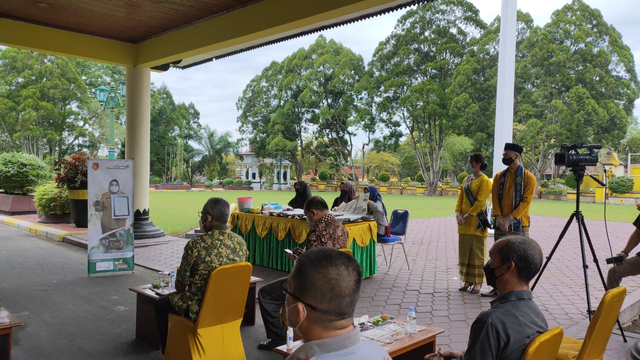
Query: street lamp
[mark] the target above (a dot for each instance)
(111, 99)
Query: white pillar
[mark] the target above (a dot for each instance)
(506, 78)
(138, 147)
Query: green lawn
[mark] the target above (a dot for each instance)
(177, 212)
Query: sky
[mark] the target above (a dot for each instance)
(215, 87)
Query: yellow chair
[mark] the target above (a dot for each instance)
(545, 346)
(598, 332)
(348, 251)
(216, 332)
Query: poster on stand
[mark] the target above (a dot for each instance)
(110, 201)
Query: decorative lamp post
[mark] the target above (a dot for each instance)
(111, 99)
(280, 174)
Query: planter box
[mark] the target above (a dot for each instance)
(421, 190)
(153, 186)
(17, 204)
(394, 190)
(313, 187)
(450, 192)
(410, 190)
(218, 186)
(173, 187)
(554, 197)
(233, 187)
(56, 219)
(331, 188)
(613, 199)
(198, 186)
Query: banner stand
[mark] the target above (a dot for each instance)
(110, 240)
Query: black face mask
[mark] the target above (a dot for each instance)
(343, 192)
(490, 274)
(507, 161)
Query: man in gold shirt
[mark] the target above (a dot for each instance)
(512, 193)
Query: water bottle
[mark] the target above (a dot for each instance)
(290, 338)
(411, 321)
(172, 280)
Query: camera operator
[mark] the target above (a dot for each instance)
(629, 266)
(512, 192)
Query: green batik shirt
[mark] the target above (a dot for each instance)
(201, 256)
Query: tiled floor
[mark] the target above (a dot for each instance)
(432, 283)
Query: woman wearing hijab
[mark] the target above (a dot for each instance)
(302, 195)
(377, 209)
(347, 194)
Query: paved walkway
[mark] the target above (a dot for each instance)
(431, 284)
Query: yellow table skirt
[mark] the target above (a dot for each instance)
(361, 232)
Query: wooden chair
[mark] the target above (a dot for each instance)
(545, 346)
(598, 332)
(216, 332)
(348, 251)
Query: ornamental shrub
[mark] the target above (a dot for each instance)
(154, 179)
(247, 183)
(554, 190)
(570, 181)
(371, 179)
(463, 175)
(50, 200)
(208, 184)
(419, 177)
(323, 176)
(227, 182)
(313, 178)
(21, 173)
(545, 184)
(72, 170)
(238, 182)
(407, 179)
(384, 177)
(621, 185)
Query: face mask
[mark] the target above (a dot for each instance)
(490, 274)
(309, 221)
(343, 192)
(201, 225)
(114, 189)
(470, 169)
(290, 323)
(507, 161)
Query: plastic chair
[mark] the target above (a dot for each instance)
(545, 346)
(599, 330)
(398, 224)
(216, 332)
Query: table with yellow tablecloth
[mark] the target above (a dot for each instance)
(268, 236)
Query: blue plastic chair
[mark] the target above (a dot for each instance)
(398, 224)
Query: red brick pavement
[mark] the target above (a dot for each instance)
(431, 284)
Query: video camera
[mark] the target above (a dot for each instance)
(570, 157)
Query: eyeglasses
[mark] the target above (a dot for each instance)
(328, 312)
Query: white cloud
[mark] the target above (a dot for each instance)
(215, 87)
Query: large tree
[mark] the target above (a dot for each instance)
(45, 104)
(578, 82)
(415, 66)
(174, 126)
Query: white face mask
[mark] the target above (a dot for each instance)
(114, 189)
(290, 324)
(201, 225)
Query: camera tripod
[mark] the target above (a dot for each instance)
(579, 172)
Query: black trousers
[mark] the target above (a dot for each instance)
(271, 300)
(163, 309)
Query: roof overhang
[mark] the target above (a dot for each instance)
(182, 39)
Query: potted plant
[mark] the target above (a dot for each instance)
(71, 173)
(19, 175)
(52, 203)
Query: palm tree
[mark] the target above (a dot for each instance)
(215, 144)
